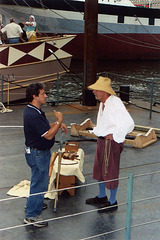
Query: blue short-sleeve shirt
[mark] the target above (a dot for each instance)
(36, 126)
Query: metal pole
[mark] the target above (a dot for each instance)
(59, 170)
(151, 101)
(2, 78)
(57, 89)
(129, 206)
(8, 96)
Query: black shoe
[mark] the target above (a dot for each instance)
(108, 207)
(96, 200)
(45, 206)
(36, 221)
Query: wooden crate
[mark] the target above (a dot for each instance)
(71, 147)
(65, 182)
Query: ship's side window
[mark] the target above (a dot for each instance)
(151, 21)
(120, 19)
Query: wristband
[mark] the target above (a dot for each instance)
(58, 123)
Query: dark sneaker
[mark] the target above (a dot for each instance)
(45, 206)
(108, 207)
(36, 221)
(96, 200)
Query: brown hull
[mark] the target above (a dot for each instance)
(45, 72)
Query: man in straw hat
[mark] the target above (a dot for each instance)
(113, 124)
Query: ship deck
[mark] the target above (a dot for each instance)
(74, 219)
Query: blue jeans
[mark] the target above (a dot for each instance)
(13, 40)
(38, 161)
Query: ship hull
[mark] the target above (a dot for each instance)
(123, 32)
(109, 49)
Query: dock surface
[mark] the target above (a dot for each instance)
(73, 219)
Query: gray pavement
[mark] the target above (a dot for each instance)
(143, 163)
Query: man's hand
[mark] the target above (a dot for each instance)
(59, 116)
(22, 19)
(64, 127)
(109, 137)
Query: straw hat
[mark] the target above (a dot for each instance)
(103, 84)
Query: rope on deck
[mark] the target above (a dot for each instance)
(3, 109)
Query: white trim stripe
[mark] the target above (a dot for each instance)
(44, 134)
(34, 108)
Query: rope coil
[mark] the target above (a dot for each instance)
(3, 109)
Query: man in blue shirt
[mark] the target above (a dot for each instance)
(39, 138)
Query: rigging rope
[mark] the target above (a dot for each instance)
(66, 69)
(127, 37)
(121, 33)
(16, 3)
(146, 29)
(26, 3)
(74, 8)
(58, 14)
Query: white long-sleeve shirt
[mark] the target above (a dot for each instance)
(114, 119)
(13, 30)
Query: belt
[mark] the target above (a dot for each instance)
(39, 149)
(102, 138)
(14, 38)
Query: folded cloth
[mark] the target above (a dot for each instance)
(70, 167)
(22, 190)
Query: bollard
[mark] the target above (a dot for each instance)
(124, 93)
(57, 89)
(129, 206)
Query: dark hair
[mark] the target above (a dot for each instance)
(33, 89)
(21, 25)
(11, 20)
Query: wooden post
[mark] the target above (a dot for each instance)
(90, 50)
